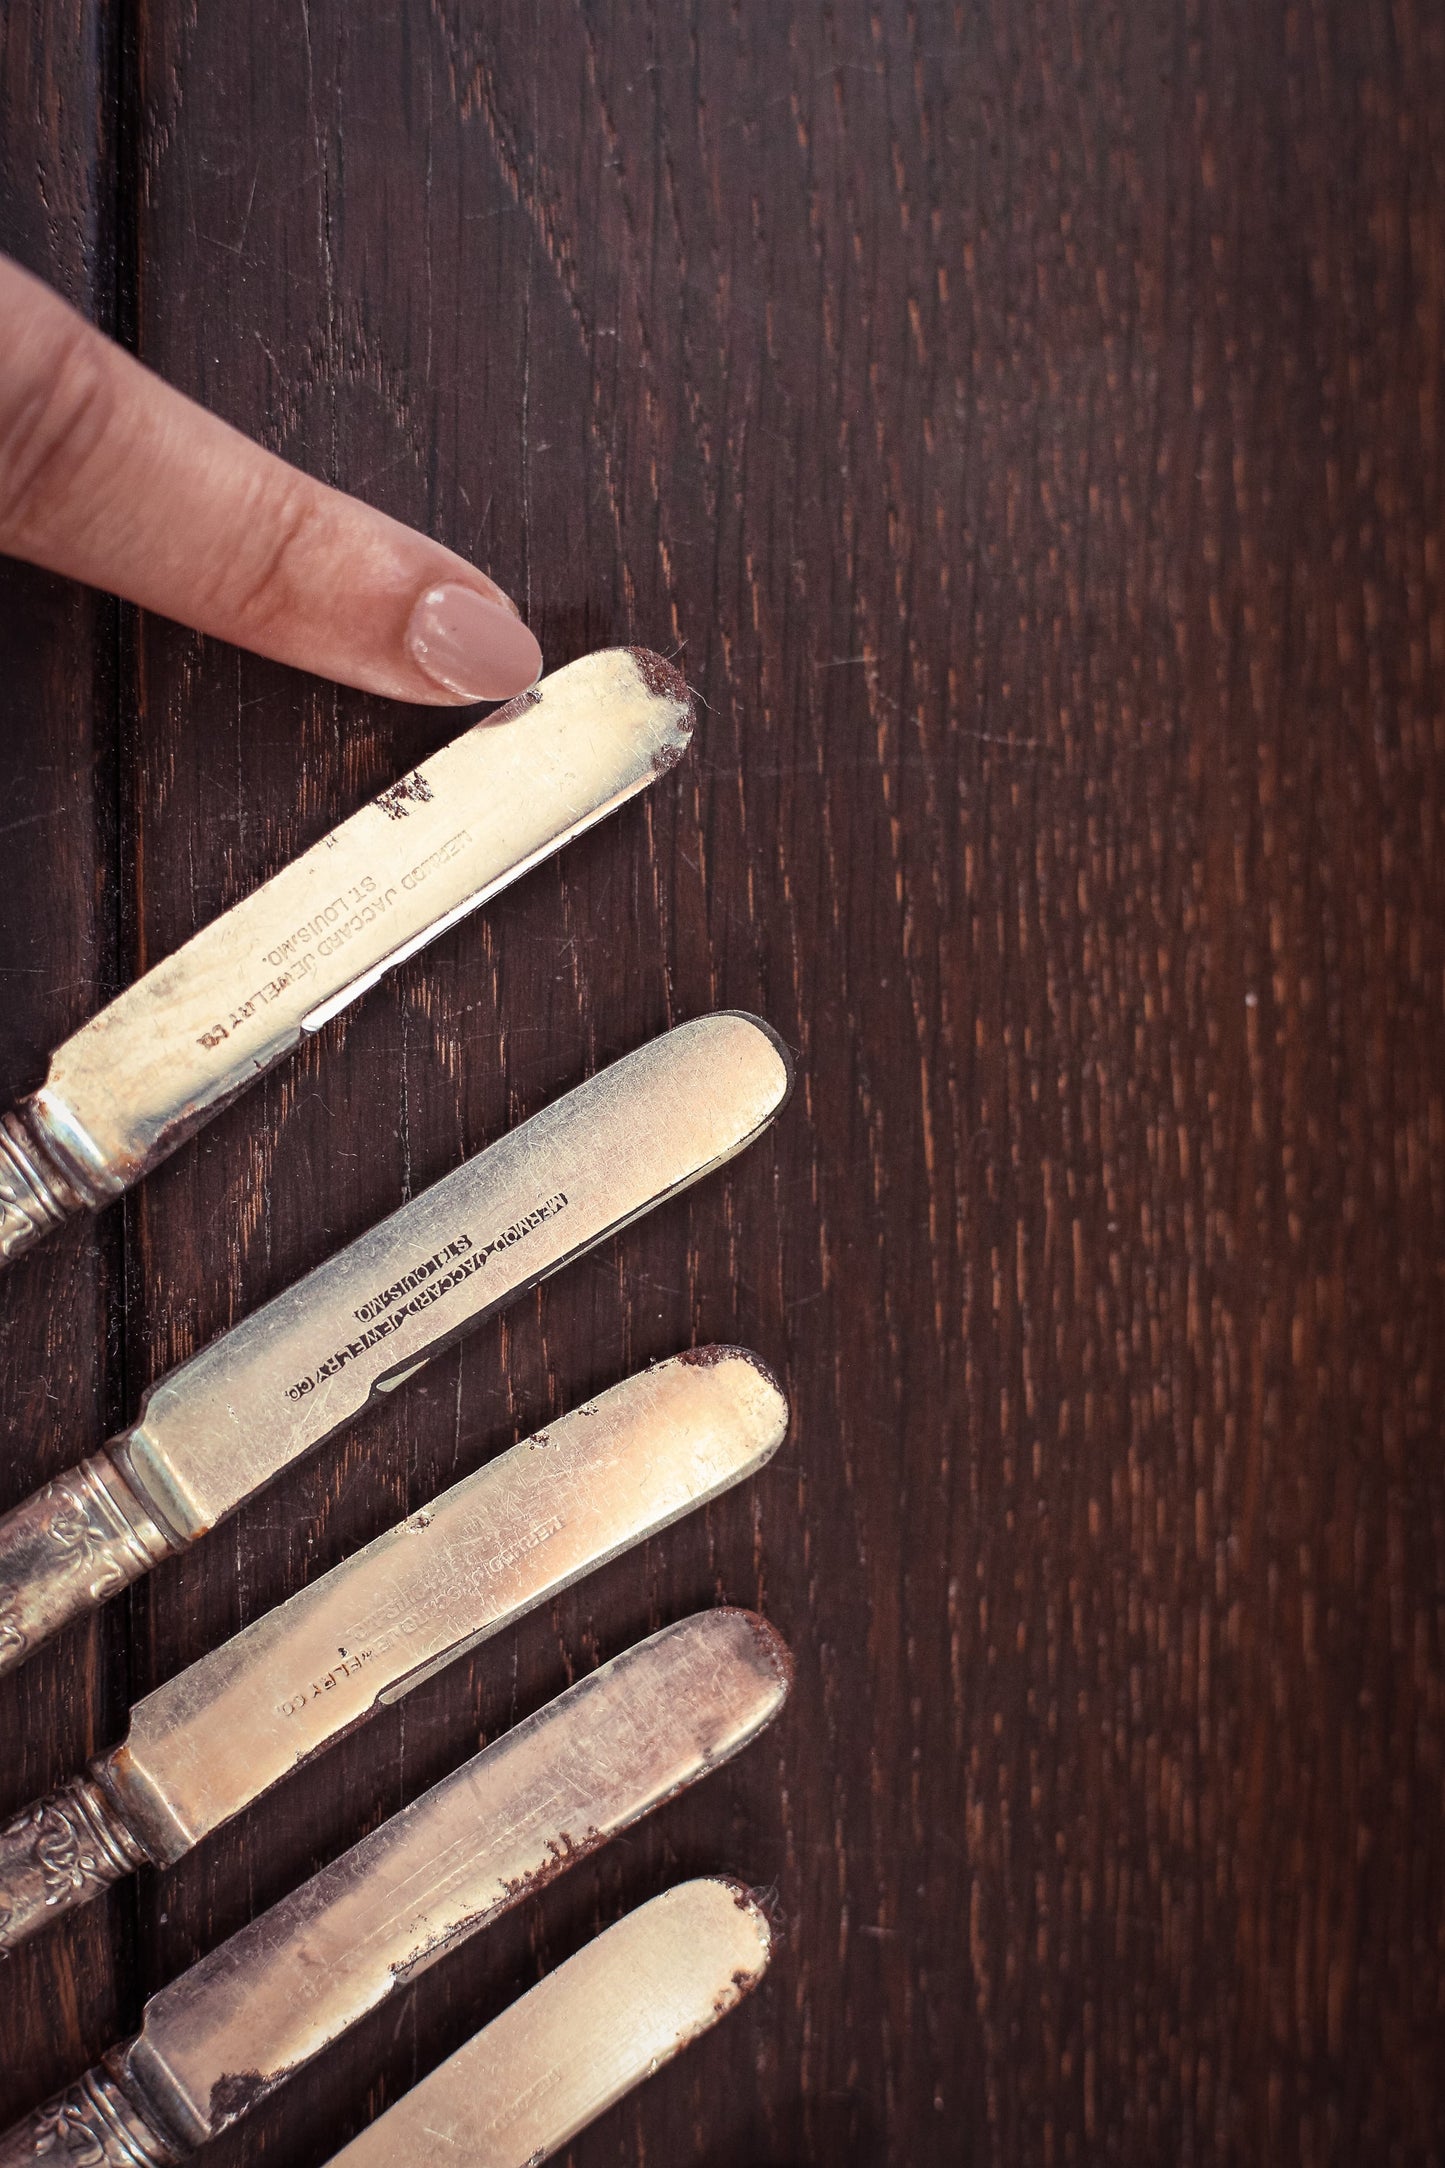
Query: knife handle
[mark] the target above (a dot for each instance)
(91, 2121)
(59, 1854)
(36, 1193)
(68, 1548)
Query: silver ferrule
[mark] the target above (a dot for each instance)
(36, 1192)
(67, 1549)
(58, 1854)
(93, 2122)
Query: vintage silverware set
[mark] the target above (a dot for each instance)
(120, 1095)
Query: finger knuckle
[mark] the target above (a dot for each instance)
(54, 410)
(264, 582)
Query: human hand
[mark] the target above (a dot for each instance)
(110, 476)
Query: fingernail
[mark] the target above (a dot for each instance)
(470, 646)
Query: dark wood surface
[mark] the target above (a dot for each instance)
(1025, 422)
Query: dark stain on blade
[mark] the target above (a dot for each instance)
(663, 679)
(666, 758)
(770, 1645)
(562, 1853)
(413, 789)
(235, 2094)
(708, 1358)
(743, 1895)
(728, 1998)
(664, 682)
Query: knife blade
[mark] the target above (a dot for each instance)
(226, 1422)
(221, 1733)
(257, 2009)
(609, 2017)
(147, 1071)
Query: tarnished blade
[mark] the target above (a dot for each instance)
(226, 1422)
(258, 2008)
(597, 1481)
(218, 1735)
(594, 1761)
(232, 1417)
(205, 1023)
(589, 2033)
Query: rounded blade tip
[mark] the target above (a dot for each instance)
(707, 1910)
(745, 1638)
(750, 1384)
(664, 681)
(608, 671)
(752, 1040)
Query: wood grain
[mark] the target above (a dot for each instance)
(59, 647)
(1025, 424)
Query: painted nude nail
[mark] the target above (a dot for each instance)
(471, 646)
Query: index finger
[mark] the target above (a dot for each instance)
(110, 476)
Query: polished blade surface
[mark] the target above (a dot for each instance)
(223, 1424)
(592, 1762)
(506, 794)
(614, 1471)
(584, 2037)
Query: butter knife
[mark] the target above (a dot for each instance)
(258, 2009)
(585, 2036)
(227, 1421)
(191, 1034)
(222, 1732)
